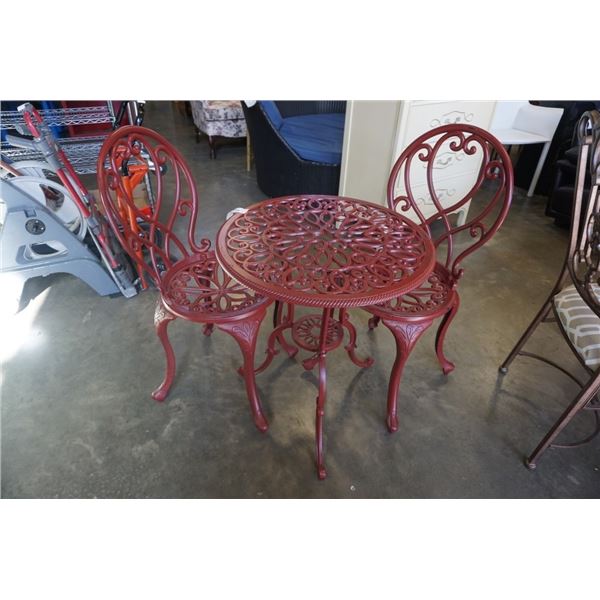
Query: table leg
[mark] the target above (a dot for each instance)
(321, 398)
(289, 320)
(351, 346)
(277, 336)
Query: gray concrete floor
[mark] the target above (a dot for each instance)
(78, 419)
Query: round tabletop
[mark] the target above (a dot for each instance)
(325, 251)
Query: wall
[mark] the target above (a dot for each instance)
(369, 141)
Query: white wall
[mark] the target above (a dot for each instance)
(369, 142)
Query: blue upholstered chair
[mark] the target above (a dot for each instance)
(297, 145)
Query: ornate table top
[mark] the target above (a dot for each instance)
(325, 251)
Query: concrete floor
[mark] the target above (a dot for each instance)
(78, 419)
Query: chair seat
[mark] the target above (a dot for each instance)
(580, 323)
(518, 137)
(317, 138)
(430, 299)
(196, 288)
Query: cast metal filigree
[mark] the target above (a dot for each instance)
(160, 238)
(306, 333)
(325, 250)
(429, 297)
(445, 145)
(199, 284)
(157, 244)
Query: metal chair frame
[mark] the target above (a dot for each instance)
(409, 316)
(191, 283)
(582, 268)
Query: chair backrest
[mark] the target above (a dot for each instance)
(157, 235)
(541, 120)
(294, 108)
(583, 258)
(482, 181)
(505, 113)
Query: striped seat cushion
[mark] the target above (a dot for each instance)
(580, 323)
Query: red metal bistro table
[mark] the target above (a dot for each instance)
(325, 252)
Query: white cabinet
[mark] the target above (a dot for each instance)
(377, 132)
(453, 173)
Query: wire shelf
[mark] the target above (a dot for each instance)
(82, 152)
(85, 115)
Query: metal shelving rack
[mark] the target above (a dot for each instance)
(82, 151)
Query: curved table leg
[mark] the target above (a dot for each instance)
(351, 346)
(289, 321)
(275, 335)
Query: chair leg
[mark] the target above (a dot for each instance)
(542, 314)
(245, 333)
(248, 152)
(212, 151)
(447, 366)
(538, 169)
(539, 318)
(162, 318)
(406, 335)
(582, 399)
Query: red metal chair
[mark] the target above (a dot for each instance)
(575, 298)
(191, 284)
(420, 187)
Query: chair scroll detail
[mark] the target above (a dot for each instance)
(574, 302)
(163, 245)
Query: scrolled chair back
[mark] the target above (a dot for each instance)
(583, 258)
(158, 235)
(450, 169)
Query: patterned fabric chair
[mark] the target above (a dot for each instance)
(218, 118)
(575, 298)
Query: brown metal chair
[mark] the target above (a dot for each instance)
(575, 298)
(420, 187)
(191, 284)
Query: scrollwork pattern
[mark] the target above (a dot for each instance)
(325, 245)
(440, 148)
(155, 245)
(428, 297)
(200, 285)
(455, 116)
